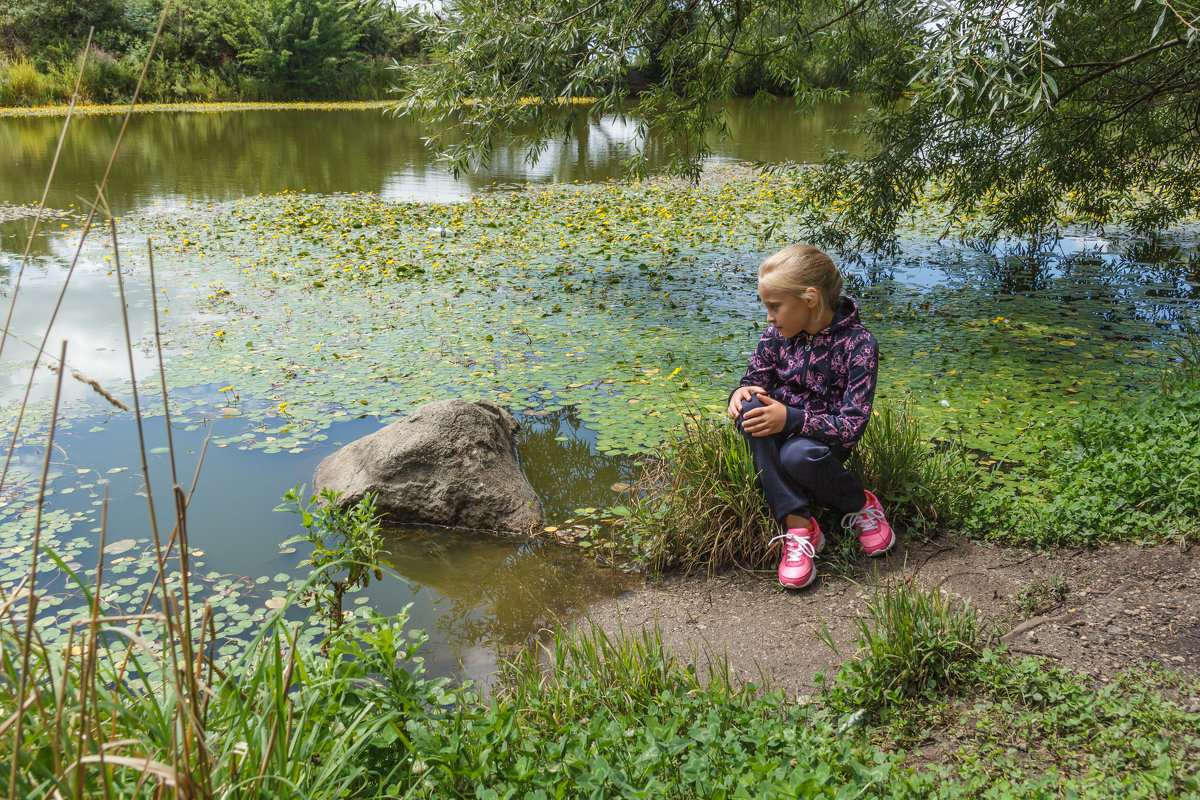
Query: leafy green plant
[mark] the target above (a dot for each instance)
(592, 715)
(1026, 723)
(912, 641)
(698, 504)
(1131, 472)
(925, 486)
(346, 544)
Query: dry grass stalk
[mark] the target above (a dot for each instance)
(94, 384)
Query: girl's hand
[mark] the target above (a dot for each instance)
(766, 420)
(742, 394)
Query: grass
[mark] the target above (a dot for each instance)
(593, 715)
(1040, 596)
(925, 484)
(913, 642)
(698, 505)
(1026, 728)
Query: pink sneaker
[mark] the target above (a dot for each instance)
(874, 533)
(800, 547)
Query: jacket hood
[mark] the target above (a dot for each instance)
(844, 316)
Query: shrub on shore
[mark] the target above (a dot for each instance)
(912, 642)
(925, 485)
(1129, 472)
(698, 504)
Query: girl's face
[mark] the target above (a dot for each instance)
(790, 313)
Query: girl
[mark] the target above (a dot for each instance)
(803, 405)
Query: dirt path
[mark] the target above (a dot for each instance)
(1095, 610)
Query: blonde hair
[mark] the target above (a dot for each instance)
(801, 267)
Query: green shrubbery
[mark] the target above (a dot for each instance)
(208, 50)
(1129, 471)
(913, 643)
(925, 486)
(698, 504)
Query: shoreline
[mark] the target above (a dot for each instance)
(1122, 604)
(192, 107)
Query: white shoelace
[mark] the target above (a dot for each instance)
(794, 546)
(867, 520)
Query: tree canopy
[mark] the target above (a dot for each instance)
(1015, 114)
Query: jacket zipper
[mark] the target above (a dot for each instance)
(804, 366)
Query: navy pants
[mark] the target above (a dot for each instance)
(793, 470)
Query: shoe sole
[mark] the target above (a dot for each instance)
(806, 584)
(876, 553)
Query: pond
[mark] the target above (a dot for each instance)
(299, 313)
(474, 594)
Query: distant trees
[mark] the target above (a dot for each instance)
(231, 49)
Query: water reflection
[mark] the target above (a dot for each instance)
(171, 157)
(1115, 280)
(557, 456)
(489, 590)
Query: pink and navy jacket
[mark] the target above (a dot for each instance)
(827, 379)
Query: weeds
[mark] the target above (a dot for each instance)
(344, 540)
(1039, 596)
(1029, 729)
(624, 673)
(622, 718)
(1132, 472)
(912, 642)
(699, 504)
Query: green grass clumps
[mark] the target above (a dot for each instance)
(129, 710)
(698, 503)
(924, 487)
(590, 715)
(913, 642)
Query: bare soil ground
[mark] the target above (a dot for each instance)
(1098, 611)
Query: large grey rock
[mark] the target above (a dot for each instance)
(451, 462)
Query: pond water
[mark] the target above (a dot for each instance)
(599, 313)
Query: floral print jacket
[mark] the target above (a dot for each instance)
(827, 379)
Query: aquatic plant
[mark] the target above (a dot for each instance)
(345, 548)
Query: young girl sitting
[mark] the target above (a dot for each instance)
(805, 402)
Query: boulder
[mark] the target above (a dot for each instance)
(451, 462)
